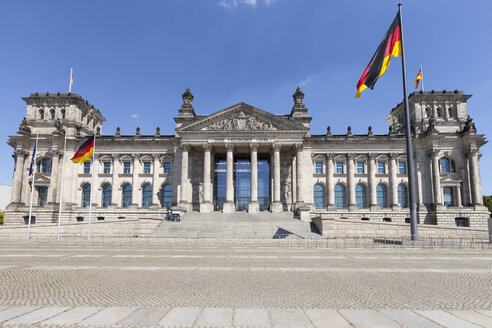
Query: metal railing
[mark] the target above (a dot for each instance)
(238, 241)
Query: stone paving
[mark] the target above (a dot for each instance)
(261, 287)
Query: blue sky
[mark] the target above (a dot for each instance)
(133, 59)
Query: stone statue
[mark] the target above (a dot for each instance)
(158, 131)
(241, 121)
(137, 133)
(23, 128)
(117, 131)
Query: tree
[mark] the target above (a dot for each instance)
(487, 201)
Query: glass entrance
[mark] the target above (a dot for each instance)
(242, 182)
(264, 182)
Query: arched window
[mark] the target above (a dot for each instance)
(381, 196)
(44, 165)
(52, 114)
(167, 196)
(86, 195)
(448, 196)
(439, 112)
(41, 114)
(319, 196)
(360, 195)
(126, 195)
(339, 196)
(106, 195)
(146, 195)
(402, 195)
(450, 112)
(63, 114)
(447, 165)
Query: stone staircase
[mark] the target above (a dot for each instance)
(263, 224)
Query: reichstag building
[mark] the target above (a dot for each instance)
(243, 158)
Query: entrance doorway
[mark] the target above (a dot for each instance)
(242, 181)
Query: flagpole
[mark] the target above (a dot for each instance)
(410, 161)
(422, 76)
(70, 81)
(61, 187)
(32, 187)
(92, 188)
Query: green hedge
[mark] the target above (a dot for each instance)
(487, 201)
(1, 217)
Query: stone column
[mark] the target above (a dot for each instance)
(135, 199)
(115, 188)
(55, 160)
(458, 196)
(393, 180)
(350, 181)
(330, 194)
(229, 206)
(466, 199)
(276, 205)
(253, 202)
(373, 200)
(155, 183)
(184, 176)
(299, 196)
(436, 177)
(475, 177)
(19, 156)
(206, 205)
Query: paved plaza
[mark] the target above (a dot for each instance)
(260, 287)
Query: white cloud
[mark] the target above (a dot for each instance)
(305, 82)
(134, 115)
(229, 4)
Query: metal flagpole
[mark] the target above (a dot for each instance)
(422, 76)
(410, 161)
(92, 189)
(61, 187)
(32, 186)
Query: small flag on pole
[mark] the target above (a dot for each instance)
(84, 152)
(71, 80)
(389, 47)
(32, 160)
(419, 77)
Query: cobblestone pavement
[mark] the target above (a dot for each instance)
(276, 287)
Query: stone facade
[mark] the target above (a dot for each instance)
(349, 176)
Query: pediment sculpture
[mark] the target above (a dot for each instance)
(241, 121)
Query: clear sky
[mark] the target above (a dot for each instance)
(134, 59)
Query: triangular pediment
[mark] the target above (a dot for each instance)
(241, 117)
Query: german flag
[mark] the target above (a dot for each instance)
(85, 151)
(391, 46)
(419, 77)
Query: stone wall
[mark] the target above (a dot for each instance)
(345, 227)
(127, 227)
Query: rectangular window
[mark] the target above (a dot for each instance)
(146, 167)
(402, 167)
(107, 167)
(167, 167)
(42, 195)
(126, 167)
(87, 167)
(339, 167)
(319, 167)
(381, 168)
(462, 222)
(360, 167)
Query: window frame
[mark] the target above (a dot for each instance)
(360, 196)
(340, 195)
(379, 167)
(168, 169)
(318, 167)
(126, 195)
(146, 167)
(146, 195)
(359, 168)
(107, 167)
(402, 167)
(382, 196)
(167, 195)
(339, 167)
(106, 195)
(42, 196)
(127, 167)
(319, 196)
(86, 195)
(87, 167)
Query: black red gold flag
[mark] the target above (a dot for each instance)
(389, 47)
(419, 77)
(85, 151)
